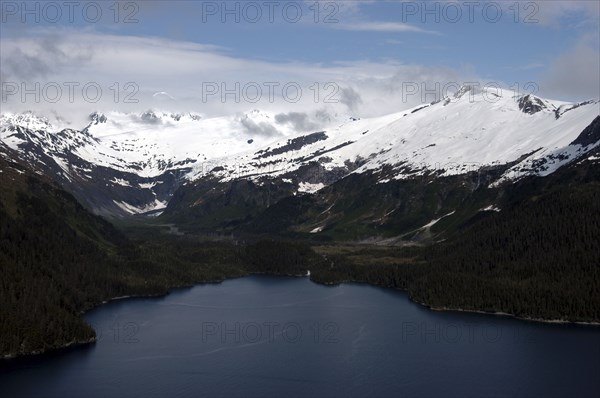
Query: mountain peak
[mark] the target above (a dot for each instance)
(27, 119)
(530, 104)
(464, 89)
(97, 117)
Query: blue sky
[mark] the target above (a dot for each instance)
(554, 44)
(517, 46)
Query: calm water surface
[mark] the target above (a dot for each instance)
(269, 336)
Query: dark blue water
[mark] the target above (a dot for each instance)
(267, 336)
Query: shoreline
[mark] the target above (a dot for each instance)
(509, 315)
(75, 343)
(450, 309)
(48, 351)
(84, 342)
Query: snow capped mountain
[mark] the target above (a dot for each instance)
(463, 133)
(132, 163)
(27, 120)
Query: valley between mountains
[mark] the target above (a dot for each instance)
(481, 201)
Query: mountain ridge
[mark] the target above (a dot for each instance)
(121, 165)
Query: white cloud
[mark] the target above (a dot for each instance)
(574, 74)
(184, 69)
(379, 26)
(557, 12)
(156, 65)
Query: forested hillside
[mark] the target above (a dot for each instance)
(538, 257)
(57, 260)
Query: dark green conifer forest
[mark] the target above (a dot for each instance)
(539, 257)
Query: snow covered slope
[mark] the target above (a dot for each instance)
(140, 159)
(457, 135)
(147, 143)
(121, 164)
